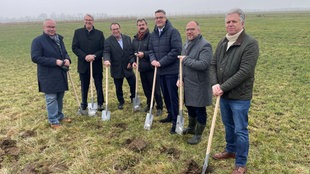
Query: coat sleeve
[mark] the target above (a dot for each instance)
(76, 47)
(203, 61)
(107, 50)
(37, 55)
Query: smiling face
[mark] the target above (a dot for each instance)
(233, 24)
(116, 30)
(160, 19)
(49, 27)
(88, 22)
(142, 26)
(192, 30)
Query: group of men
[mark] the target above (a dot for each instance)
(228, 73)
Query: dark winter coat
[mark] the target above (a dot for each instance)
(85, 43)
(142, 45)
(166, 48)
(234, 69)
(196, 75)
(119, 57)
(45, 52)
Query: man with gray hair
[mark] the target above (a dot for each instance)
(232, 78)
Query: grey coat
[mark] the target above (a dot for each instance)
(196, 78)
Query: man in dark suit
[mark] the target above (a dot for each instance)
(119, 55)
(49, 53)
(87, 45)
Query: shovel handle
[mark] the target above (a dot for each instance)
(91, 80)
(137, 71)
(73, 86)
(181, 85)
(107, 85)
(153, 87)
(213, 124)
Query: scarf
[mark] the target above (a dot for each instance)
(232, 39)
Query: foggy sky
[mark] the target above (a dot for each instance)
(33, 8)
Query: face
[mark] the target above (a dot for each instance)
(233, 24)
(49, 27)
(192, 30)
(116, 30)
(88, 22)
(142, 26)
(160, 19)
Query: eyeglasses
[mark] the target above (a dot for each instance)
(159, 17)
(88, 20)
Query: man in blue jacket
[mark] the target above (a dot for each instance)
(49, 53)
(165, 46)
(88, 44)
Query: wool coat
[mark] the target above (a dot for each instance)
(45, 52)
(196, 75)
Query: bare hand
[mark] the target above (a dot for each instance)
(107, 63)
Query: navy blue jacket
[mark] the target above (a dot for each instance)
(166, 49)
(45, 52)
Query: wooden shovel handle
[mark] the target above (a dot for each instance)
(107, 84)
(91, 79)
(153, 87)
(181, 86)
(213, 124)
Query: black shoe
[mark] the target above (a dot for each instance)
(165, 120)
(100, 108)
(131, 100)
(120, 106)
(159, 112)
(172, 130)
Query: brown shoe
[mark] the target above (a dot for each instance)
(66, 120)
(56, 126)
(223, 155)
(239, 170)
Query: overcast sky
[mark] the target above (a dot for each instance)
(139, 8)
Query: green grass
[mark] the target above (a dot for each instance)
(278, 120)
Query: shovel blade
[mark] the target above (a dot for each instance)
(136, 103)
(180, 125)
(105, 115)
(92, 109)
(205, 164)
(148, 121)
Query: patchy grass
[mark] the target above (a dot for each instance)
(278, 121)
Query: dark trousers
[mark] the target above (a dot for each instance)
(147, 84)
(85, 81)
(118, 82)
(170, 93)
(199, 113)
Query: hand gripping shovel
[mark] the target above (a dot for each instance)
(92, 107)
(205, 165)
(106, 114)
(149, 116)
(136, 100)
(74, 89)
(180, 119)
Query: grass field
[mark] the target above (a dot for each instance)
(278, 121)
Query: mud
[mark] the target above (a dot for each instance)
(193, 168)
(172, 152)
(136, 145)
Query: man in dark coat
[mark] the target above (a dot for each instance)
(196, 58)
(87, 45)
(49, 53)
(165, 46)
(140, 46)
(119, 55)
(232, 78)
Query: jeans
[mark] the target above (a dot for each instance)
(54, 107)
(235, 119)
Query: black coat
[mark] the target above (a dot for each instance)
(119, 57)
(85, 43)
(45, 52)
(142, 45)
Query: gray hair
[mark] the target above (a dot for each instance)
(160, 11)
(141, 20)
(89, 15)
(239, 12)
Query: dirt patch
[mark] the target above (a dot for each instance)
(193, 168)
(8, 149)
(43, 167)
(122, 126)
(172, 152)
(28, 133)
(136, 145)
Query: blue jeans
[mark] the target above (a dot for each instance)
(235, 119)
(54, 107)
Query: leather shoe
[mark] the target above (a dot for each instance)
(121, 106)
(56, 126)
(239, 170)
(66, 120)
(223, 155)
(165, 120)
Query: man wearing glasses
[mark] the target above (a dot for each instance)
(165, 45)
(87, 45)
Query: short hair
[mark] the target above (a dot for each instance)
(239, 12)
(89, 15)
(49, 19)
(115, 23)
(160, 11)
(141, 20)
